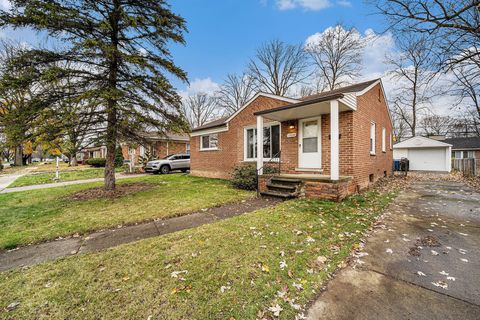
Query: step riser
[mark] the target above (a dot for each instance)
(280, 189)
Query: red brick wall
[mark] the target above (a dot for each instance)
(290, 145)
(220, 163)
(371, 107)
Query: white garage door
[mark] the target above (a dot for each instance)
(429, 159)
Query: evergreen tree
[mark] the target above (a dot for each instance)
(118, 52)
(118, 157)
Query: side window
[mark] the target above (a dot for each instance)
(209, 142)
(372, 138)
(384, 143)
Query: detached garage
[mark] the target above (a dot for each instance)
(425, 154)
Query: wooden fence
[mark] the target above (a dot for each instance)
(467, 166)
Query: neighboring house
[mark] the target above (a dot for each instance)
(157, 146)
(329, 145)
(91, 152)
(466, 148)
(424, 154)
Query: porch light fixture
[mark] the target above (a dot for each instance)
(291, 125)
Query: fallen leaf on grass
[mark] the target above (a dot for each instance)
(283, 264)
(175, 274)
(265, 268)
(224, 288)
(390, 251)
(276, 310)
(297, 286)
(12, 306)
(420, 273)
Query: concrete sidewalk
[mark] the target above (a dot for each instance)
(29, 255)
(423, 263)
(62, 184)
(8, 179)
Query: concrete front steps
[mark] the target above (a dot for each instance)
(284, 188)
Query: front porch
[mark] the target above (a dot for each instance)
(309, 162)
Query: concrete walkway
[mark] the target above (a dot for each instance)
(26, 256)
(8, 179)
(62, 184)
(423, 263)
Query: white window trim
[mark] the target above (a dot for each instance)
(208, 149)
(373, 137)
(384, 140)
(265, 125)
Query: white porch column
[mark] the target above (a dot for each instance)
(260, 144)
(334, 141)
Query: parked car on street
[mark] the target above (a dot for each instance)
(169, 163)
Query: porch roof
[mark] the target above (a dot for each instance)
(308, 108)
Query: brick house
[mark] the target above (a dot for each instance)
(157, 146)
(91, 152)
(314, 157)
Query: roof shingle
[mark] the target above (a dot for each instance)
(464, 143)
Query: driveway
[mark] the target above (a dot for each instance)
(423, 262)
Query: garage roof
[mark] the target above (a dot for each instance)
(420, 142)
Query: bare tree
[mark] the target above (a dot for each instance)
(337, 54)
(400, 127)
(453, 25)
(277, 67)
(466, 86)
(435, 125)
(200, 108)
(235, 92)
(411, 70)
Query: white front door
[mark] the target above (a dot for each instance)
(309, 144)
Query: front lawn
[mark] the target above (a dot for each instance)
(80, 173)
(37, 215)
(247, 267)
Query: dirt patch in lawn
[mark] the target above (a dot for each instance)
(120, 191)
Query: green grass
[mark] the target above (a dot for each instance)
(243, 254)
(33, 216)
(48, 177)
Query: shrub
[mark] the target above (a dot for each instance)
(1, 167)
(118, 157)
(244, 176)
(96, 162)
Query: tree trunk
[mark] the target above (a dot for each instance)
(111, 144)
(19, 156)
(111, 138)
(73, 161)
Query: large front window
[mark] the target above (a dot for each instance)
(271, 142)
